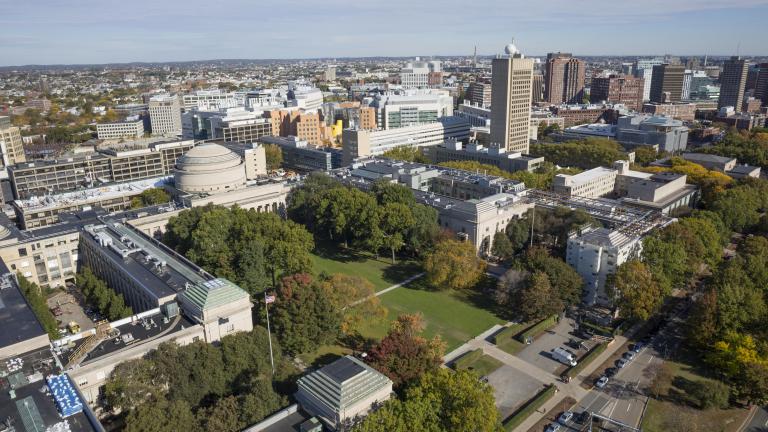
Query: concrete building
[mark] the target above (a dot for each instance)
(410, 108)
(43, 105)
(687, 84)
(643, 68)
(117, 130)
(106, 166)
(209, 168)
(761, 83)
(472, 205)
(341, 391)
(477, 116)
(304, 97)
(663, 132)
(11, 145)
(303, 157)
(452, 150)
(564, 79)
(625, 90)
(741, 121)
(596, 253)
(592, 113)
(512, 76)
(479, 94)
(667, 83)
(363, 143)
(594, 183)
(416, 74)
(207, 100)
(733, 80)
(537, 87)
(685, 111)
(723, 164)
(165, 115)
(240, 125)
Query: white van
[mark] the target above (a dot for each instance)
(563, 356)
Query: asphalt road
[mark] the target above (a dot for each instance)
(622, 399)
(759, 422)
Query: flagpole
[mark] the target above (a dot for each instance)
(269, 333)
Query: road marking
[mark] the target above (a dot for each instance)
(650, 359)
(629, 406)
(766, 423)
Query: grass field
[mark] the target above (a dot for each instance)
(664, 415)
(456, 316)
(331, 259)
(484, 365)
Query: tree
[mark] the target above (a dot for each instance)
(637, 293)
(395, 220)
(403, 355)
(645, 155)
(132, 383)
(303, 317)
(387, 192)
(711, 394)
(586, 154)
(150, 197)
(509, 285)
(424, 231)
(752, 383)
(536, 299)
(668, 260)
(502, 246)
(274, 155)
(303, 201)
(222, 416)
(34, 296)
(163, 415)
(356, 298)
(453, 265)
(441, 401)
(662, 380)
(406, 154)
(566, 282)
(703, 326)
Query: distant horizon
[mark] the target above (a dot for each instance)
(423, 57)
(91, 32)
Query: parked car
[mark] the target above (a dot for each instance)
(582, 417)
(565, 417)
(629, 355)
(611, 371)
(601, 382)
(637, 347)
(621, 363)
(553, 427)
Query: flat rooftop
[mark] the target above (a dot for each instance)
(591, 175)
(106, 192)
(32, 410)
(158, 269)
(17, 320)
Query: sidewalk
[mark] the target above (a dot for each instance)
(388, 289)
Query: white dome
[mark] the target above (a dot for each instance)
(209, 168)
(511, 49)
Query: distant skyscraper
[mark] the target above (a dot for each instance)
(330, 73)
(564, 79)
(479, 93)
(537, 91)
(512, 76)
(626, 90)
(644, 69)
(667, 83)
(165, 115)
(761, 84)
(733, 79)
(11, 146)
(687, 81)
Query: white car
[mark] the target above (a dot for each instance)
(565, 417)
(601, 382)
(553, 427)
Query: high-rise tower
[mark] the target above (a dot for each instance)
(511, 78)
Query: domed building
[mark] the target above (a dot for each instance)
(209, 168)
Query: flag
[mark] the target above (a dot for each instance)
(269, 299)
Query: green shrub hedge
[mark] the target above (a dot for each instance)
(467, 359)
(508, 333)
(526, 410)
(538, 328)
(585, 360)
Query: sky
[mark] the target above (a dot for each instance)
(109, 31)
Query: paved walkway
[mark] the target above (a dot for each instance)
(572, 389)
(388, 289)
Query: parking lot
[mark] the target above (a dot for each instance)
(69, 309)
(537, 353)
(512, 388)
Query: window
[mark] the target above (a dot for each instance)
(22, 252)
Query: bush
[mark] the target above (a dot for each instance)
(597, 329)
(711, 394)
(467, 359)
(33, 294)
(508, 333)
(586, 360)
(526, 410)
(538, 329)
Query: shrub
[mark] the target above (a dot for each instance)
(532, 405)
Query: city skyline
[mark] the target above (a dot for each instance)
(89, 32)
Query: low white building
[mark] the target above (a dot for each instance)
(117, 130)
(597, 252)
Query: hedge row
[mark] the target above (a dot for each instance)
(538, 329)
(532, 405)
(597, 329)
(586, 359)
(467, 359)
(508, 333)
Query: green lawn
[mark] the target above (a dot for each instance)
(457, 316)
(675, 409)
(331, 259)
(484, 365)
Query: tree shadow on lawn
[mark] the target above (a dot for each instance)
(336, 252)
(401, 271)
(681, 390)
(478, 296)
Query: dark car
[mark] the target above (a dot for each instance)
(582, 417)
(611, 371)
